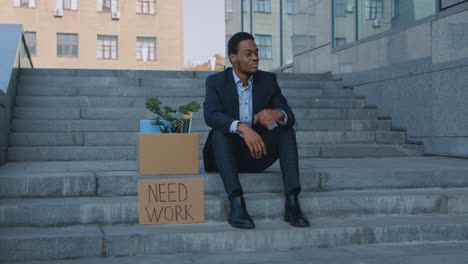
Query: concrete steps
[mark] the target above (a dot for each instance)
(139, 102)
(52, 73)
(106, 138)
(119, 178)
(86, 115)
(213, 237)
(130, 240)
(162, 87)
(338, 217)
(71, 190)
(75, 84)
(410, 252)
(47, 212)
(52, 113)
(22, 125)
(67, 153)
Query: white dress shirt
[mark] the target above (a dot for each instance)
(246, 105)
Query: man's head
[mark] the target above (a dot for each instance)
(243, 53)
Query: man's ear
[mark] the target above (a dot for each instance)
(233, 58)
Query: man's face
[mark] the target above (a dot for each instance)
(246, 60)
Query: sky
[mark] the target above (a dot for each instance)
(204, 30)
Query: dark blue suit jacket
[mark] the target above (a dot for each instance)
(221, 106)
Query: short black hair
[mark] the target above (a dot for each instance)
(234, 41)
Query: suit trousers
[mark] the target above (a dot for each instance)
(232, 156)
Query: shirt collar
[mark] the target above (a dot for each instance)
(239, 81)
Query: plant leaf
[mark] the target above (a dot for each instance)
(190, 107)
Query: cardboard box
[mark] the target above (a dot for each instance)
(168, 154)
(171, 201)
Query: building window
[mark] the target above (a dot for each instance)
(245, 6)
(340, 8)
(146, 48)
(67, 45)
(24, 3)
(302, 43)
(374, 9)
(262, 6)
(70, 4)
(306, 8)
(395, 8)
(291, 7)
(147, 7)
(31, 42)
(108, 5)
(339, 42)
(107, 47)
(265, 50)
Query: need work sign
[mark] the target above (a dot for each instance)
(171, 201)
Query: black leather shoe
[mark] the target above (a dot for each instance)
(293, 213)
(238, 216)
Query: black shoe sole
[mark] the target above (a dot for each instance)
(242, 226)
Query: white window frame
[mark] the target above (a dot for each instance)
(106, 51)
(148, 43)
(20, 3)
(265, 51)
(114, 6)
(374, 9)
(71, 55)
(149, 5)
(67, 4)
(262, 6)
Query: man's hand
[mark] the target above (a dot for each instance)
(267, 117)
(253, 140)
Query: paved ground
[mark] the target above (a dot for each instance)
(403, 253)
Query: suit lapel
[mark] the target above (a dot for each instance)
(256, 93)
(231, 94)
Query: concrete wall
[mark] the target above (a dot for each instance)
(166, 25)
(418, 75)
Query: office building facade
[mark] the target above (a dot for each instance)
(407, 57)
(100, 34)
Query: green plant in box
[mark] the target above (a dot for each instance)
(169, 119)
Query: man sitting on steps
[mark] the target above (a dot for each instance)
(252, 126)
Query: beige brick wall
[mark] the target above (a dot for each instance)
(87, 22)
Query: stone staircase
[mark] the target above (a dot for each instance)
(60, 117)
(70, 188)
